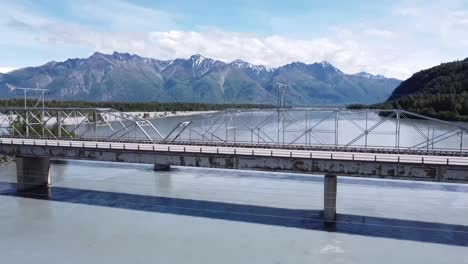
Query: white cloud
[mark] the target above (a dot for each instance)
(6, 69)
(406, 41)
(123, 16)
(459, 19)
(407, 11)
(379, 32)
(227, 46)
(273, 50)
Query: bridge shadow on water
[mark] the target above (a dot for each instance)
(448, 234)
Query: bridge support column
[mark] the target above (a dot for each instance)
(329, 198)
(160, 167)
(32, 172)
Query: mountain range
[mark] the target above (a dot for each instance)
(131, 78)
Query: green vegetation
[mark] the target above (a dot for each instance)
(439, 92)
(19, 126)
(5, 159)
(130, 106)
(445, 79)
(441, 106)
(358, 106)
(450, 107)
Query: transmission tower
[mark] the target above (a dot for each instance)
(40, 99)
(281, 93)
(31, 118)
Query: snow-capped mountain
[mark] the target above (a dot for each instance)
(369, 75)
(128, 77)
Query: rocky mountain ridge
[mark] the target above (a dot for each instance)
(128, 77)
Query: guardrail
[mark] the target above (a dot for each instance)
(412, 158)
(241, 144)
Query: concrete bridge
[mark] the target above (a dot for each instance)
(33, 161)
(34, 147)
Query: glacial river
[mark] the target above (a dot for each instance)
(126, 213)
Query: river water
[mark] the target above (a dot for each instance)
(126, 213)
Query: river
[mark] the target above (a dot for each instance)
(126, 213)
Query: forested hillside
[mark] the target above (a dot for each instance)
(441, 92)
(131, 106)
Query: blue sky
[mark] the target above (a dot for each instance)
(394, 38)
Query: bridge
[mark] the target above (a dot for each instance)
(390, 144)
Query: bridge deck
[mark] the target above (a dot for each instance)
(376, 155)
(34, 160)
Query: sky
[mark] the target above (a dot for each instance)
(395, 38)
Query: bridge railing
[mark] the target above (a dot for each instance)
(235, 150)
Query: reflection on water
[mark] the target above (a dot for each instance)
(231, 209)
(126, 212)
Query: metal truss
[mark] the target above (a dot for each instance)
(284, 128)
(78, 123)
(331, 128)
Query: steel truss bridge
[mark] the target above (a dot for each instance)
(394, 131)
(391, 144)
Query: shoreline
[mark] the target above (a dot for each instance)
(139, 114)
(164, 114)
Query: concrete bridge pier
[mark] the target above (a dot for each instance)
(32, 172)
(329, 198)
(162, 167)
